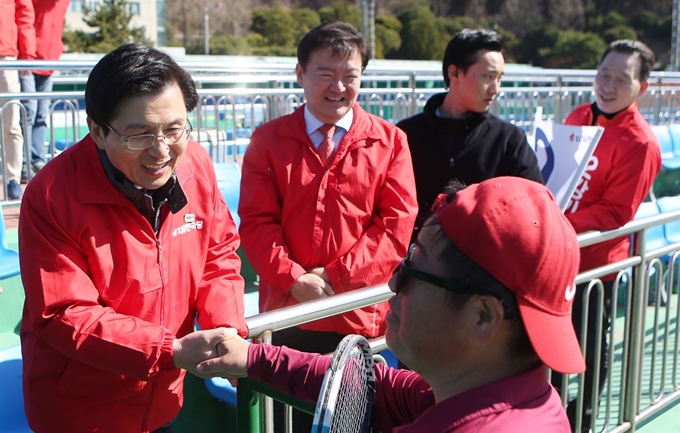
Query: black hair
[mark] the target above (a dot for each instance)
(340, 37)
(462, 50)
(133, 70)
(644, 53)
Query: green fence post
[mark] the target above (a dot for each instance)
(247, 407)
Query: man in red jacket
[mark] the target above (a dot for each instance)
(327, 194)
(125, 242)
(619, 175)
(49, 25)
(17, 41)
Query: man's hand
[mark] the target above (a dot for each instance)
(232, 362)
(198, 346)
(310, 286)
(320, 271)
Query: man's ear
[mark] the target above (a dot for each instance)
(453, 72)
(299, 70)
(489, 315)
(96, 133)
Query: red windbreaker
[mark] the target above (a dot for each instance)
(105, 297)
(619, 175)
(49, 26)
(17, 35)
(354, 217)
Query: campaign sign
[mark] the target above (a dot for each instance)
(563, 152)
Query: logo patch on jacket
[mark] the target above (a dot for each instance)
(188, 226)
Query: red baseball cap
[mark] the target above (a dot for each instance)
(513, 228)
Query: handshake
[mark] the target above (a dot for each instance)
(213, 353)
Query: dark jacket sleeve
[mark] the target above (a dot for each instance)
(523, 162)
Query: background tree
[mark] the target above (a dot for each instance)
(531, 29)
(520, 17)
(227, 17)
(276, 27)
(619, 32)
(567, 14)
(536, 42)
(343, 12)
(448, 27)
(112, 24)
(387, 39)
(229, 45)
(575, 50)
(420, 36)
(396, 7)
(235, 16)
(305, 20)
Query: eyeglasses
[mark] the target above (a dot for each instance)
(171, 137)
(406, 270)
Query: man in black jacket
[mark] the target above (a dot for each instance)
(455, 137)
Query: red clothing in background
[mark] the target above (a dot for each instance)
(619, 175)
(353, 217)
(17, 35)
(49, 27)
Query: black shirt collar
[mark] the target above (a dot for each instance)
(451, 126)
(597, 112)
(147, 202)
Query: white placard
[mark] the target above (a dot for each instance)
(563, 152)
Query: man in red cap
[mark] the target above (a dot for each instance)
(482, 306)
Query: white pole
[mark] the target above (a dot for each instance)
(206, 21)
(371, 26)
(675, 38)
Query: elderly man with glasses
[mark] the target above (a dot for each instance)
(125, 241)
(481, 308)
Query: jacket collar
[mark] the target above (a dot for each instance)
(363, 128)
(146, 202)
(312, 123)
(602, 120)
(470, 121)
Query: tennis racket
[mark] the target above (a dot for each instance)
(346, 398)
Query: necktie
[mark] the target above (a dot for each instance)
(326, 147)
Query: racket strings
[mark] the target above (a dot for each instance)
(353, 398)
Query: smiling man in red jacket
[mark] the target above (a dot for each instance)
(125, 241)
(327, 212)
(619, 175)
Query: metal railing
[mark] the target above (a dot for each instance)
(643, 378)
(261, 91)
(226, 117)
(236, 97)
